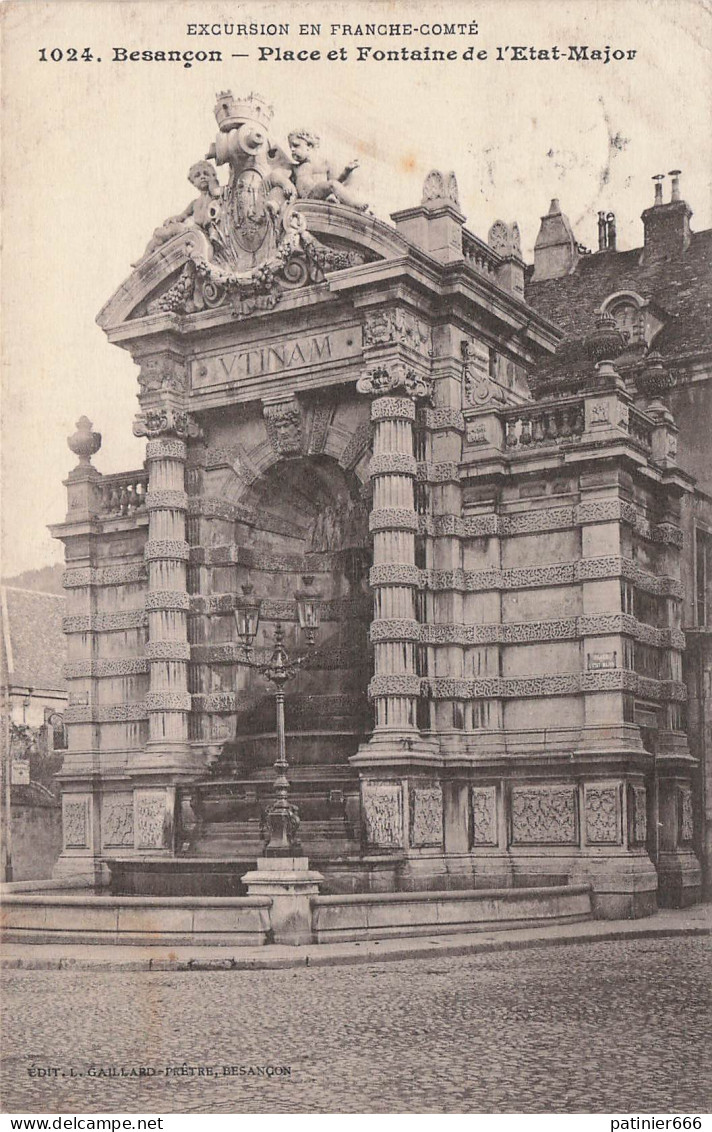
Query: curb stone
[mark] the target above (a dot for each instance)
(368, 951)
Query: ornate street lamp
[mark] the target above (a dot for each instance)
(247, 618)
(281, 822)
(309, 609)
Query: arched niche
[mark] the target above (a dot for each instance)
(312, 523)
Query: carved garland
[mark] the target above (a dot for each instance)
(556, 574)
(532, 522)
(176, 549)
(523, 632)
(392, 463)
(105, 622)
(166, 448)
(437, 420)
(167, 600)
(129, 666)
(168, 701)
(556, 684)
(105, 575)
(166, 499)
(105, 713)
(392, 519)
(167, 650)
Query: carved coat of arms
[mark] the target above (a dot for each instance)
(257, 243)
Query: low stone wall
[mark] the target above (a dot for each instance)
(241, 921)
(257, 920)
(36, 840)
(378, 916)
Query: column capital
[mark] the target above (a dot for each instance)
(161, 422)
(394, 377)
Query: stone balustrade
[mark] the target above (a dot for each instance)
(123, 493)
(478, 255)
(544, 423)
(640, 429)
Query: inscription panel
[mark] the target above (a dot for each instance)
(265, 359)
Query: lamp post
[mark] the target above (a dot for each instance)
(281, 822)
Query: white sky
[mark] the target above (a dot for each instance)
(95, 155)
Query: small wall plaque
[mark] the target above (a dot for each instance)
(597, 660)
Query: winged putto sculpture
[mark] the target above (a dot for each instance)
(246, 241)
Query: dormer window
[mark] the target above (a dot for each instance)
(634, 317)
(628, 320)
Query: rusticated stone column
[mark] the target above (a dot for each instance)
(395, 686)
(168, 652)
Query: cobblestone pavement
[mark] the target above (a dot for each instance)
(601, 1027)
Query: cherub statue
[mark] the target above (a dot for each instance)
(314, 178)
(200, 213)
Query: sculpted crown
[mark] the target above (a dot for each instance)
(231, 112)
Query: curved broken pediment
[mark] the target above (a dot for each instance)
(184, 276)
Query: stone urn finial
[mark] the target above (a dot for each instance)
(84, 443)
(606, 342)
(655, 380)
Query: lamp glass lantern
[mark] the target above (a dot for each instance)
(247, 615)
(308, 609)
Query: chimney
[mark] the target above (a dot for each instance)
(666, 226)
(555, 251)
(606, 232)
(602, 232)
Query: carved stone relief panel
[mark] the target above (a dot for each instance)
(426, 815)
(686, 822)
(383, 813)
(381, 327)
(602, 807)
(484, 815)
(117, 820)
(638, 803)
(75, 821)
(151, 819)
(544, 815)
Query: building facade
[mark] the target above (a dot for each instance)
(340, 406)
(660, 295)
(34, 696)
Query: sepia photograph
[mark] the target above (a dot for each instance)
(356, 745)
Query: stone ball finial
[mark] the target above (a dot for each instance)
(84, 443)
